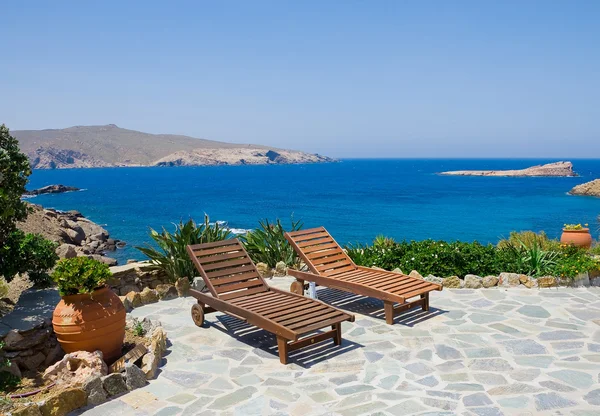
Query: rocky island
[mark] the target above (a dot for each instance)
(587, 189)
(52, 189)
(550, 169)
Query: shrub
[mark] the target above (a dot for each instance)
(529, 239)
(8, 381)
(267, 244)
(528, 258)
(27, 253)
(572, 260)
(171, 256)
(80, 275)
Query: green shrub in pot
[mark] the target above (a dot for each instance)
(80, 275)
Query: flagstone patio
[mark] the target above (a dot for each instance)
(477, 352)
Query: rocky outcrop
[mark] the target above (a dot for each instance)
(53, 158)
(238, 156)
(587, 189)
(550, 169)
(75, 234)
(52, 189)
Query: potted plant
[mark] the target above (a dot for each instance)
(90, 315)
(577, 235)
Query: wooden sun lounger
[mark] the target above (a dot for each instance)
(330, 266)
(237, 289)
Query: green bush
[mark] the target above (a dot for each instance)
(8, 381)
(572, 261)
(529, 239)
(267, 244)
(80, 275)
(528, 258)
(27, 253)
(171, 256)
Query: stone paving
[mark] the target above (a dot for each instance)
(477, 352)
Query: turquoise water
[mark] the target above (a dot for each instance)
(354, 199)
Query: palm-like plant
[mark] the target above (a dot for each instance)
(531, 258)
(171, 256)
(267, 244)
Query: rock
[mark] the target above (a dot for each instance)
(96, 393)
(76, 235)
(17, 342)
(280, 269)
(103, 259)
(125, 289)
(99, 237)
(509, 279)
(134, 377)
(549, 169)
(415, 274)
(114, 384)
(52, 189)
(473, 281)
(76, 367)
(66, 251)
(546, 281)
(126, 303)
(166, 292)
(452, 282)
(198, 283)
(33, 361)
(31, 409)
(148, 296)
(183, 286)
(94, 245)
(434, 279)
(13, 369)
(131, 261)
(64, 402)
(397, 270)
(489, 281)
(55, 354)
(158, 346)
(158, 340)
(528, 281)
(150, 362)
(11, 339)
(587, 189)
(264, 270)
(134, 299)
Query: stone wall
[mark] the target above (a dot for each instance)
(135, 277)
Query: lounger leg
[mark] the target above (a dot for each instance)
(297, 287)
(337, 339)
(425, 305)
(282, 345)
(388, 307)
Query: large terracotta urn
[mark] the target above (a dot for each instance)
(580, 238)
(90, 322)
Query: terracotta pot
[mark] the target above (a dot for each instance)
(91, 322)
(580, 238)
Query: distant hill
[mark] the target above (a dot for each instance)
(102, 146)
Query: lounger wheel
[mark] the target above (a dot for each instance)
(297, 288)
(198, 315)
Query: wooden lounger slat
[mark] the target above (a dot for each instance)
(238, 290)
(330, 266)
(225, 264)
(329, 319)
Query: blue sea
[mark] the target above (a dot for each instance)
(355, 200)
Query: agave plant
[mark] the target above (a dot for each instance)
(267, 244)
(531, 258)
(171, 256)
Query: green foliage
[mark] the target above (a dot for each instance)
(138, 330)
(572, 260)
(8, 381)
(3, 287)
(14, 173)
(27, 253)
(267, 244)
(80, 275)
(529, 239)
(171, 255)
(595, 249)
(528, 258)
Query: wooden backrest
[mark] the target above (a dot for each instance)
(226, 269)
(320, 252)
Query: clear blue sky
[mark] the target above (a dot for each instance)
(342, 78)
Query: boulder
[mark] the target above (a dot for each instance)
(183, 286)
(76, 367)
(397, 270)
(528, 281)
(64, 402)
(131, 261)
(66, 251)
(126, 303)
(472, 281)
(158, 346)
(32, 362)
(509, 279)
(13, 369)
(434, 279)
(125, 289)
(198, 284)
(148, 296)
(114, 384)
(30, 409)
(134, 299)
(54, 354)
(280, 269)
(101, 237)
(166, 292)
(14, 341)
(546, 281)
(75, 233)
(489, 281)
(264, 270)
(134, 377)
(452, 282)
(416, 274)
(96, 393)
(103, 259)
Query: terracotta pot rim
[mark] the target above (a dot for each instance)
(583, 230)
(80, 296)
